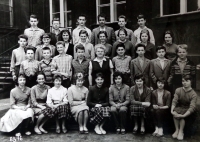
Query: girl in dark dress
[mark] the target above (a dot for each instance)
(66, 37)
(98, 102)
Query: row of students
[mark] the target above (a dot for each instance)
(97, 105)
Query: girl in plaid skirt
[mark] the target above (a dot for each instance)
(140, 100)
(98, 101)
(57, 101)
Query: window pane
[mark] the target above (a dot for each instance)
(57, 15)
(55, 6)
(193, 5)
(106, 11)
(104, 1)
(171, 7)
(120, 10)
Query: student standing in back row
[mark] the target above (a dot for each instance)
(34, 33)
(102, 27)
(141, 22)
(81, 26)
(122, 23)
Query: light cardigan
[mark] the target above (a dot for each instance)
(57, 95)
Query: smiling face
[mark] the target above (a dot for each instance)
(168, 39)
(161, 53)
(141, 22)
(30, 54)
(139, 83)
(60, 48)
(81, 20)
(83, 38)
(140, 51)
(102, 37)
(65, 36)
(21, 81)
(22, 42)
(99, 81)
(118, 80)
(144, 37)
(122, 35)
(182, 53)
(100, 52)
(79, 82)
(57, 82)
(80, 53)
(33, 22)
(40, 79)
(122, 22)
(120, 51)
(186, 83)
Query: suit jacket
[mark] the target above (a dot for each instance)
(156, 70)
(110, 32)
(137, 69)
(166, 98)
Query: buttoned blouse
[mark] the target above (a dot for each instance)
(119, 95)
(57, 95)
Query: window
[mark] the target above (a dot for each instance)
(6, 13)
(111, 8)
(61, 9)
(171, 7)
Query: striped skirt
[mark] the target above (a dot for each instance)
(62, 111)
(98, 113)
(137, 110)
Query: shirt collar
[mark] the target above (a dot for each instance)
(82, 28)
(61, 87)
(30, 60)
(84, 59)
(62, 55)
(102, 29)
(34, 29)
(53, 31)
(179, 60)
(187, 90)
(162, 60)
(118, 57)
(96, 59)
(122, 41)
(118, 88)
(143, 28)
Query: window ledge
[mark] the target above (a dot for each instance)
(178, 17)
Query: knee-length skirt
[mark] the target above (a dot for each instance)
(13, 118)
(97, 114)
(76, 109)
(137, 110)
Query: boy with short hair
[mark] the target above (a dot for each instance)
(81, 64)
(140, 65)
(30, 67)
(122, 24)
(45, 66)
(45, 38)
(33, 33)
(160, 67)
(18, 55)
(141, 22)
(61, 65)
(55, 33)
(121, 63)
(81, 26)
(102, 27)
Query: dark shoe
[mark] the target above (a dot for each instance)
(81, 131)
(123, 131)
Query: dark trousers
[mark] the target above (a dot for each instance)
(24, 126)
(119, 116)
(31, 81)
(66, 83)
(159, 117)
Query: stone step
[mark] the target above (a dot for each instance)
(7, 69)
(4, 73)
(5, 79)
(5, 64)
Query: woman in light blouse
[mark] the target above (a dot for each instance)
(119, 100)
(57, 100)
